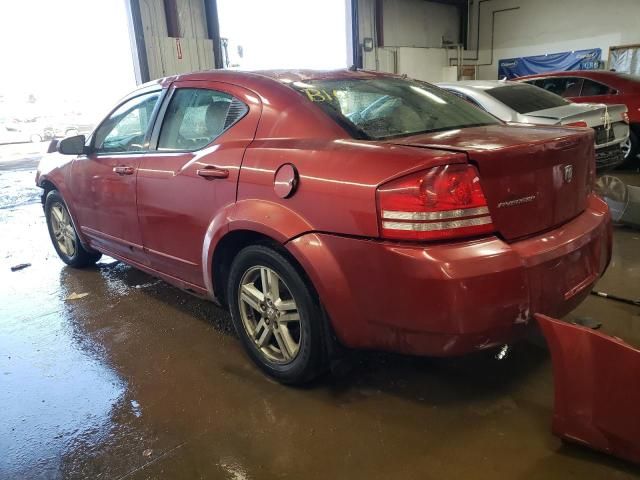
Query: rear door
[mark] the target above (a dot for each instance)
(198, 144)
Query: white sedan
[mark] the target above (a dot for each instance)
(522, 103)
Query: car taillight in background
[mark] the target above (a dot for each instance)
(625, 117)
(581, 123)
(440, 203)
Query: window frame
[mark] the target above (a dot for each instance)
(160, 118)
(154, 116)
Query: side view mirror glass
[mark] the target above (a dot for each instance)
(72, 145)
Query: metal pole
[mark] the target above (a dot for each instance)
(213, 28)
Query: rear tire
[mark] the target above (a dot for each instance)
(63, 233)
(631, 149)
(276, 315)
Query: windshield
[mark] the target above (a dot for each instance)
(525, 98)
(378, 108)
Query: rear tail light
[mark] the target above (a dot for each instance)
(625, 117)
(581, 123)
(442, 203)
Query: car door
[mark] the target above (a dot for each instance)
(103, 182)
(199, 140)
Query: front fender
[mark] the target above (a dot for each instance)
(260, 216)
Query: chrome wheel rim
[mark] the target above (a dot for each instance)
(63, 229)
(612, 188)
(626, 147)
(270, 314)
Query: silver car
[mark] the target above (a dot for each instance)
(522, 103)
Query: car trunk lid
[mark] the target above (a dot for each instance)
(534, 178)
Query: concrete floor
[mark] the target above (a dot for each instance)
(138, 380)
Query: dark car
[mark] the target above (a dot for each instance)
(428, 228)
(597, 86)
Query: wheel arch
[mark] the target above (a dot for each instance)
(237, 226)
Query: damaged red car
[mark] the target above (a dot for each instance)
(335, 208)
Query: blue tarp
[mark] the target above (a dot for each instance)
(553, 62)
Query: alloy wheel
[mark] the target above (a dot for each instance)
(63, 229)
(270, 314)
(626, 147)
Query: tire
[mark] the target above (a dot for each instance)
(631, 149)
(292, 352)
(63, 233)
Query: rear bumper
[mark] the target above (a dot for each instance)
(451, 299)
(608, 158)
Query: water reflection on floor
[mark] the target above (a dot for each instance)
(139, 380)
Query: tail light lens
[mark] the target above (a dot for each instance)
(442, 203)
(625, 117)
(581, 123)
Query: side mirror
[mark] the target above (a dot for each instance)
(72, 145)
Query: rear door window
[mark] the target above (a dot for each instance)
(195, 117)
(563, 86)
(593, 89)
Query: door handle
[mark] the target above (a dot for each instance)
(124, 170)
(210, 172)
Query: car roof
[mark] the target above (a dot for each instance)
(603, 75)
(244, 77)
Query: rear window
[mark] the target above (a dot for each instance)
(378, 108)
(526, 98)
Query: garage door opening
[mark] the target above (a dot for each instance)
(285, 34)
(62, 69)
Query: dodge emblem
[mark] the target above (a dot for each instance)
(568, 173)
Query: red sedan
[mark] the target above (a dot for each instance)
(598, 86)
(335, 208)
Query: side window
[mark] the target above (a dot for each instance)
(573, 87)
(593, 89)
(554, 85)
(126, 128)
(195, 117)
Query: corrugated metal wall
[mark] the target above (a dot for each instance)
(191, 51)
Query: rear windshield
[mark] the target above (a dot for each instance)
(378, 108)
(526, 98)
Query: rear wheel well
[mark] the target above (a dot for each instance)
(231, 244)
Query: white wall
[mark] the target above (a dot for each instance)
(419, 23)
(410, 27)
(551, 26)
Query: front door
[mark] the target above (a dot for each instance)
(103, 183)
(193, 172)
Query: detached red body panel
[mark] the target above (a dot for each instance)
(597, 394)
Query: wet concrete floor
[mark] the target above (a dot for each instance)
(138, 380)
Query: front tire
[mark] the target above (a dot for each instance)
(276, 315)
(63, 233)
